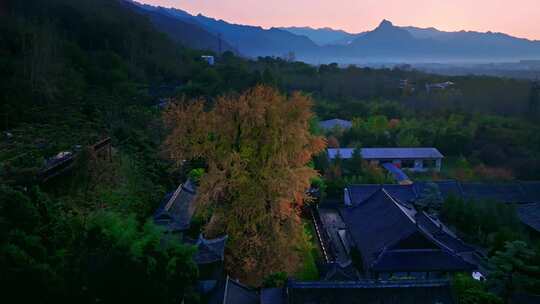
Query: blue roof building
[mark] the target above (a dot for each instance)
(398, 174)
(395, 240)
(412, 159)
(177, 208)
(336, 123)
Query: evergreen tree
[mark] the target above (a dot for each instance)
(513, 270)
(356, 163)
(430, 199)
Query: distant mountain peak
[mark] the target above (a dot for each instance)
(385, 24)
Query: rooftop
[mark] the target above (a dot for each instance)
(230, 291)
(335, 123)
(177, 208)
(397, 173)
(387, 153)
(356, 292)
(209, 250)
(391, 235)
(529, 214)
(401, 153)
(515, 192)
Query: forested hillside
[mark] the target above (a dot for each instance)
(75, 72)
(72, 73)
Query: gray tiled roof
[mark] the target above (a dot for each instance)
(446, 187)
(381, 228)
(377, 223)
(529, 214)
(513, 192)
(337, 272)
(531, 190)
(236, 293)
(506, 193)
(404, 194)
(413, 260)
(440, 233)
(333, 123)
(177, 209)
(360, 292)
(344, 153)
(209, 251)
(401, 153)
(273, 296)
(387, 153)
(230, 291)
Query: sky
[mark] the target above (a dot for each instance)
(519, 18)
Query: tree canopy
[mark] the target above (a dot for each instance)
(257, 146)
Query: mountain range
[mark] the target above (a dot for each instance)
(386, 43)
(323, 36)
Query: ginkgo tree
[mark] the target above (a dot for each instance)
(257, 146)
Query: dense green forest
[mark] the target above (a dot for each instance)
(74, 72)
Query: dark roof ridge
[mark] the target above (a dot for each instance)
(205, 241)
(369, 283)
(415, 250)
(237, 283)
(385, 249)
(381, 188)
(367, 198)
(400, 206)
(173, 198)
(189, 186)
(439, 224)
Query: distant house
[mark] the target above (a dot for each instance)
(209, 59)
(438, 86)
(412, 159)
(57, 165)
(336, 123)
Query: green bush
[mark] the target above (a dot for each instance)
(195, 175)
(470, 291)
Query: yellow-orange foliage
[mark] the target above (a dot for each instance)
(257, 146)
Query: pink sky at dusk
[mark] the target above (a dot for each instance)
(519, 18)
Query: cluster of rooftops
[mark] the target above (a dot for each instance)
(370, 239)
(355, 292)
(175, 214)
(396, 240)
(525, 196)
